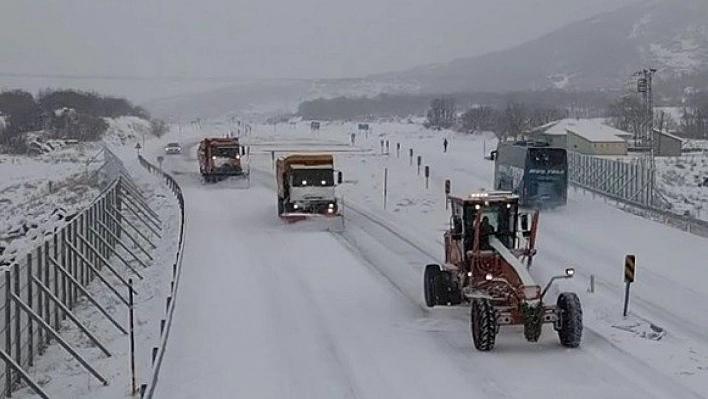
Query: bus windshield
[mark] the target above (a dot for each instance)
(547, 158)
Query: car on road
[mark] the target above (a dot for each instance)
(173, 148)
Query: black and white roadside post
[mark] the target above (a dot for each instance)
(629, 268)
(447, 192)
(388, 152)
(398, 150)
(382, 146)
(410, 156)
(138, 147)
(133, 386)
(427, 176)
(420, 161)
(159, 161)
(385, 187)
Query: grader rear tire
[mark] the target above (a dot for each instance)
(483, 322)
(571, 319)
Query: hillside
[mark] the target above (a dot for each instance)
(598, 53)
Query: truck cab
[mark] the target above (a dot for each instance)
(306, 184)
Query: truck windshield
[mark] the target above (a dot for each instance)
(313, 177)
(226, 152)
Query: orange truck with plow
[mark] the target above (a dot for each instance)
(489, 247)
(306, 188)
(220, 158)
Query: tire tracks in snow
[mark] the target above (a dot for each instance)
(643, 371)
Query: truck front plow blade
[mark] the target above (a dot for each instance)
(314, 222)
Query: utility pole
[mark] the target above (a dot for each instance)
(644, 86)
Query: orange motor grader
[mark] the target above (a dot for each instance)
(488, 251)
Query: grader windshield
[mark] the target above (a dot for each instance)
(498, 218)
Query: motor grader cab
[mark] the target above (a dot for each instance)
(221, 158)
(488, 252)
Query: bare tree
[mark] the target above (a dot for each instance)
(694, 121)
(628, 114)
(441, 113)
(480, 118)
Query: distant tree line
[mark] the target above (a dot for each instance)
(581, 104)
(631, 115)
(511, 120)
(69, 114)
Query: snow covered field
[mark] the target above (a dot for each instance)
(27, 201)
(29, 198)
(270, 311)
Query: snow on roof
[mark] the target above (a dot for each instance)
(667, 134)
(594, 130)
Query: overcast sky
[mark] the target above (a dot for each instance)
(263, 38)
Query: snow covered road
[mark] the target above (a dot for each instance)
(270, 311)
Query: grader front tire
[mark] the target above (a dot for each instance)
(483, 322)
(571, 319)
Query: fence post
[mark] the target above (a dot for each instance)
(55, 239)
(8, 337)
(64, 256)
(40, 301)
(48, 283)
(18, 313)
(420, 161)
(427, 176)
(132, 337)
(30, 303)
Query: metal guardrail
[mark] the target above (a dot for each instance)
(38, 293)
(147, 390)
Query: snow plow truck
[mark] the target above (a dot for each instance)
(306, 188)
(489, 248)
(221, 158)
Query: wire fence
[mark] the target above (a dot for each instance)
(631, 185)
(39, 292)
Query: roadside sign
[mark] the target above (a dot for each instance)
(629, 268)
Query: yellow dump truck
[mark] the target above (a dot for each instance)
(306, 186)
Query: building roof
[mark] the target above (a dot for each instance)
(593, 130)
(667, 134)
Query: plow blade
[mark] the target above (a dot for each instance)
(314, 222)
(237, 181)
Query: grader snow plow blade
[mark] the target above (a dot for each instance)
(314, 222)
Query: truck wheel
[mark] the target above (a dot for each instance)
(570, 315)
(430, 280)
(483, 321)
